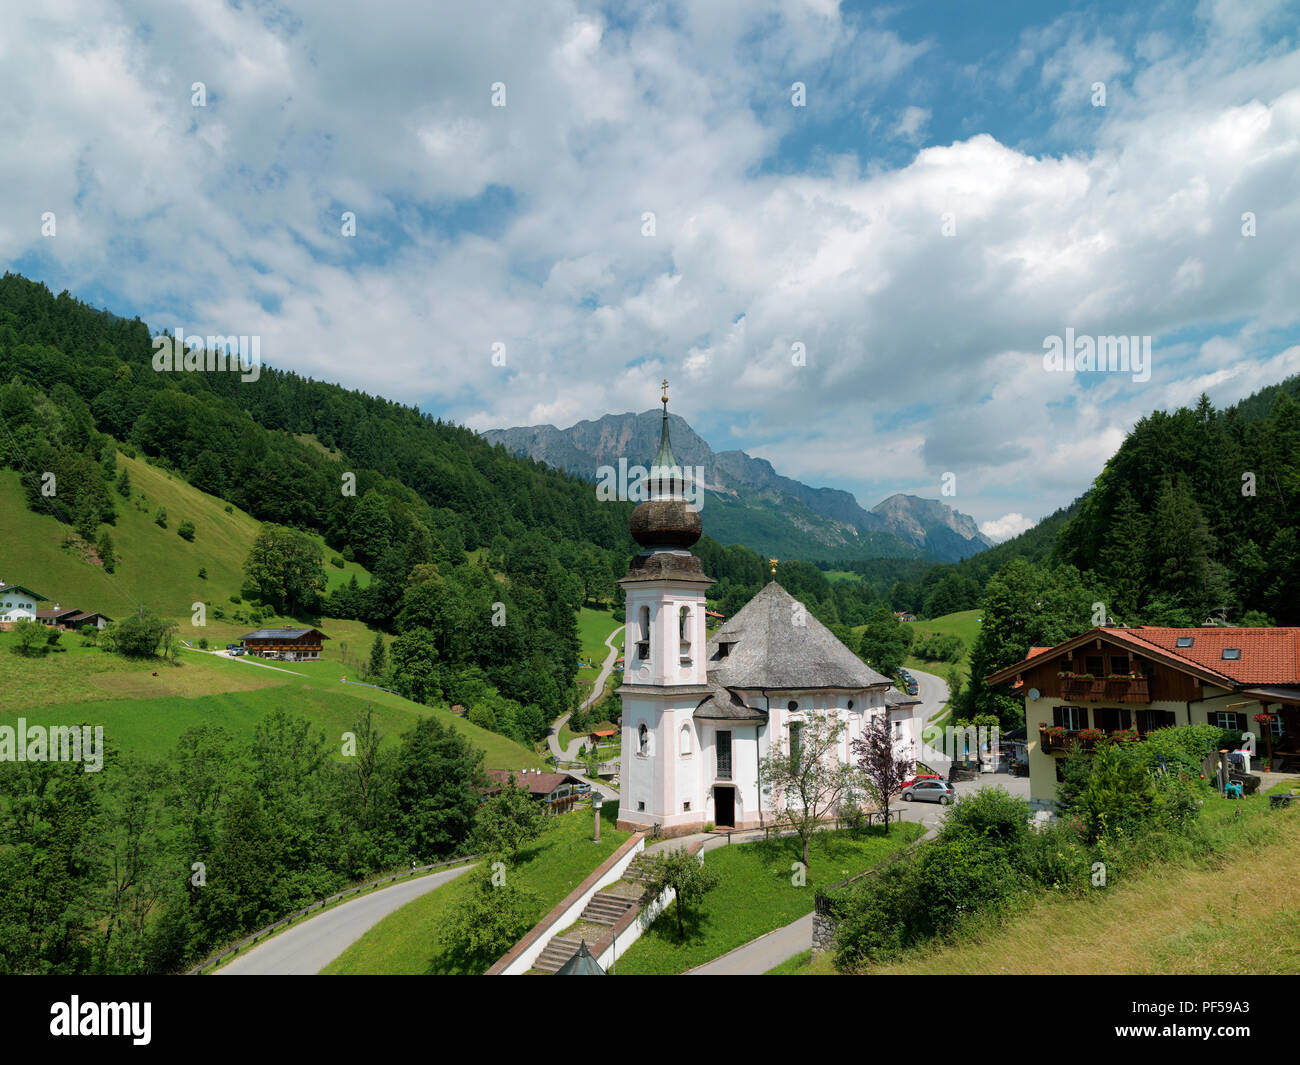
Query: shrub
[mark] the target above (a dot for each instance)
(229, 509)
(990, 814)
(160, 517)
(336, 562)
(203, 643)
(203, 573)
(185, 530)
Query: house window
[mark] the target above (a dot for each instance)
(1150, 720)
(1229, 720)
(1110, 719)
(1119, 664)
(1184, 641)
(1070, 718)
(1092, 664)
(724, 649)
(1231, 654)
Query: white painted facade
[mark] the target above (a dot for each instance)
(17, 604)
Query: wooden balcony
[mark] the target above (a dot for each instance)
(1101, 689)
(1056, 741)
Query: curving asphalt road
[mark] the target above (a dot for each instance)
(553, 737)
(306, 948)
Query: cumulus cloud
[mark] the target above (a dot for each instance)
(1005, 527)
(634, 212)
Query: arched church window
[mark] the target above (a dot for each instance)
(643, 634)
(684, 634)
(643, 739)
(684, 743)
(796, 741)
(850, 704)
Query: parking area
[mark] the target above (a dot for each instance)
(932, 814)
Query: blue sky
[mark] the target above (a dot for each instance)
(949, 197)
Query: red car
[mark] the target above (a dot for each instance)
(916, 779)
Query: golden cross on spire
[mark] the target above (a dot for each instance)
(665, 387)
(772, 562)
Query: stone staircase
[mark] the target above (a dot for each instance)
(559, 950)
(639, 871)
(603, 909)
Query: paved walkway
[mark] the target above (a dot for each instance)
(306, 948)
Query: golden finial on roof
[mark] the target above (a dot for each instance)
(772, 562)
(665, 387)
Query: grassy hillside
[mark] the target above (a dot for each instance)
(144, 713)
(963, 624)
(156, 568)
(594, 627)
(1237, 915)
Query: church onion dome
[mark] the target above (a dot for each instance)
(665, 521)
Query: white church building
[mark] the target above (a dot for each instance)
(700, 714)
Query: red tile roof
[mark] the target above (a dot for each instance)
(1268, 656)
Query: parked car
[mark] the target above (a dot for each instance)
(930, 791)
(918, 778)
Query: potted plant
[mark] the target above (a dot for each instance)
(1089, 737)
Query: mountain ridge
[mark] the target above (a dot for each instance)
(754, 499)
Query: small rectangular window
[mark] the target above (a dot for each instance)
(686, 807)
(640, 807)
(1184, 641)
(1231, 654)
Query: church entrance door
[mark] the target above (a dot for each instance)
(724, 807)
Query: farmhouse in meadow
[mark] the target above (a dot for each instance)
(555, 791)
(1131, 681)
(700, 713)
(69, 618)
(17, 604)
(288, 644)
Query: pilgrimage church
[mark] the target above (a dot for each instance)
(699, 715)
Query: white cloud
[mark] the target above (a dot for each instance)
(922, 349)
(1005, 527)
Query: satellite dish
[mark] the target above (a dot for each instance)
(1034, 693)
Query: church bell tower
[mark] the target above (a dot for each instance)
(665, 672)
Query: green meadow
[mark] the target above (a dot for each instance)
(145, 706)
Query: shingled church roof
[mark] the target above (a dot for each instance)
(774, 642)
